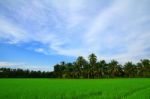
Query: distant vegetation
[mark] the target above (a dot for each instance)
(20, 73)
(93, 68)
(82, 68)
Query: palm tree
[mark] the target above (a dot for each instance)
(69, 70)
(57, 71)
(94, 69)
(129, 69)
(146, 67)
(114, 69)
(75, 71)
(101, 67)
(86, 70)
(92, 59)
(139, 69)
(80, 62)
(63, 69)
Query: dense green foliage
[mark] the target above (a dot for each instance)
(20, 73)
(82, 68)
(75, 89)
(93, 68)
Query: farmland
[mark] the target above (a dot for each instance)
(136, 88)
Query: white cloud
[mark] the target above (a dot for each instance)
(10, 64)
(13, 33)
(41, 50)
(100, 37)
(6, 64)
(70, 29)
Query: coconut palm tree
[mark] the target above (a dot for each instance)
(92, 59)
(101, 68)
(129, 69)
(146, 67)
(80, 62)
(114, 69)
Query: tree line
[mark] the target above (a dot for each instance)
(82, 68)
(93, 68)
(20, 73)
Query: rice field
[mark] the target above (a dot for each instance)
(138, 88)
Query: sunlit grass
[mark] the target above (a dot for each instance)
(74, 89)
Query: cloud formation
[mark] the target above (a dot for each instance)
(25, 66)
(111, 29)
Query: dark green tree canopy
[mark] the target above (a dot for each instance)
(82, 68)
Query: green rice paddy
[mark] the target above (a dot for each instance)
(75, 88)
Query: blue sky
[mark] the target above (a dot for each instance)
(37, 34)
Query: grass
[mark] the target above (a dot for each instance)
(75, 89)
